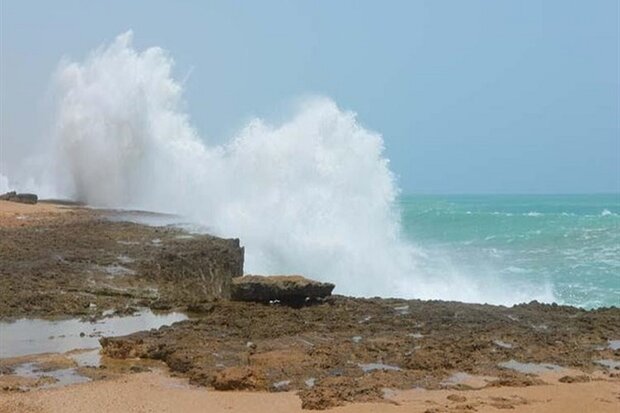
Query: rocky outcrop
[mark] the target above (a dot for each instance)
(239, 378)
(291, 289)
(22, 198)
(352, 349)
(195, 270)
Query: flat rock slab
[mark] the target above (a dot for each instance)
(285, 288)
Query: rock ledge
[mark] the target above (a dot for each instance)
(289, 289)
(22, 198)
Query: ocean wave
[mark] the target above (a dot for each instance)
(516, 270)
(312, 195)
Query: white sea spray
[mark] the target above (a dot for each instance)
(312, 195)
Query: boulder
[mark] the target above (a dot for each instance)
(290, 289)
(195, 271)
(22, 198)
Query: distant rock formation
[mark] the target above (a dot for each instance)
(22, 198)
(289, 289)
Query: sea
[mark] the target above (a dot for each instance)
(568, 243)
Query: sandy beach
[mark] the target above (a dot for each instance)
(157, 392)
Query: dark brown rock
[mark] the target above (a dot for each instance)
(197, 270)
(582, 378)
(457, 398)
(21, 198)
(312, 351)
(239, 378)
(293, 289)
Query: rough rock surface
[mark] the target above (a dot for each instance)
(79, 263)
(197, 270)
(350, 349)
(293, 289)
(23, 198)
(238, 378)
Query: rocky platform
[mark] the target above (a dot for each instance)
(21, 198)
(350, 350)
(78, 262)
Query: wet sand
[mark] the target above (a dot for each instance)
(158, 393)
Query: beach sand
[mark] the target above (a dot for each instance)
(156, 392)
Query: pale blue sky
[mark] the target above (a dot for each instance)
(470, 96)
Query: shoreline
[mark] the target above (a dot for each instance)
(158, 392)
(68, 262)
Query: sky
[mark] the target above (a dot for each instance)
(474, 96)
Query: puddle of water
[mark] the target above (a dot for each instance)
(610, 364)
(356, 339)
(114, 270)
(34, 336)
(614, 344)
(365, 319)
(502, 344)
(456, 378)
(127, 242)
(63, 377)
(402, 310)
(530, 368)
(310, 382)
(89, 358)
(368, 367)
(281, 385)
(185, 236)
(540, 327)
(465, 379)
(415, 335)
(124, 259)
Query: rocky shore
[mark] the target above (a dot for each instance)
(351, 350)
(71, 261)
(283, 334)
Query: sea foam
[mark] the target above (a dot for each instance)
(313, 195)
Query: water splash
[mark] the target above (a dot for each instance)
(313, 195)
(4, 184)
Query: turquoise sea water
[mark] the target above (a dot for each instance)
(568, 243)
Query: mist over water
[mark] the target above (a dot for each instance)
(313, 195)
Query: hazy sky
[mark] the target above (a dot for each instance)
(470, 96)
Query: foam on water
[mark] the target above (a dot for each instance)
(570, 245)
